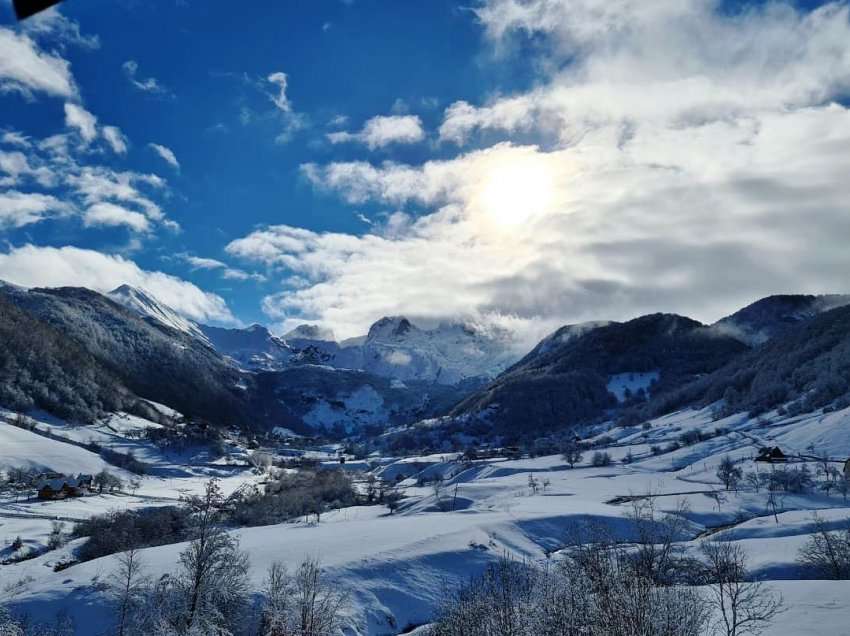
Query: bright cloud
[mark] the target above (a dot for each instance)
(82, 121)
(115, 138)
(110, 214)
(166, 154)
(26, 69)
(32, 266)
(382, 131)
(688, 160)
(18, 209)
(279, 98)
(227, 272)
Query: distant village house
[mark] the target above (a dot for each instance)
(62, 487)
(771, 455)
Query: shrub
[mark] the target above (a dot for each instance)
(117, 531)
(601, 459)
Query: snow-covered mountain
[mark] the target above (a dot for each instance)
(147, 306)
(447, 354)
(394, 348)
(252, 349)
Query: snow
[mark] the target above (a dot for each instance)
(632, 382)
(398, 566)
(20, 448)
(145, 304)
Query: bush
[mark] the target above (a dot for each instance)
(601, 459)
(294, 495)
(117, 531)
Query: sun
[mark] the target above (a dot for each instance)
(514, 191)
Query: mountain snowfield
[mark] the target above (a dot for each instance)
(396, 567)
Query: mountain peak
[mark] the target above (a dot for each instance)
(146, 305)
(309, 332)
(390, 327)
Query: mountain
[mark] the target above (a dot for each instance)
(148, 306)
(394, 348)
(311, 398)
(448, 354)
(79, 355)
(764, 319)
(147, 357)
(253, 349)
(41, 369)
(805, 368)
(583, 372)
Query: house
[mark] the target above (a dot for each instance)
(62, 487)
(771, 455)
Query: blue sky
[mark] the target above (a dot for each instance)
(512, 163)
(211, 61)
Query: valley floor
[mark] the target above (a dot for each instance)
(397, 566)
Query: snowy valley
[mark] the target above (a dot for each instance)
(318, 466)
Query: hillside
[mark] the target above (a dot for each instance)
(806, 368)
(41, 369)
(764, 319)
(151, 359)
(578, 373)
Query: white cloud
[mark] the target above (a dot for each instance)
(82, 121)
(227, 272)
(15, 166)
(166, 154)
(110, 214)
(26, 69)
(24, 208)
(115, 138)
(32, 266)
(279, 99)
(60, 31)
(15, 138)
(689, 160)
(382, 131)
(147, 85)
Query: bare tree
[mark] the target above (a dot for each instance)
(392, 498)
(318, 605)
(743, 606)
(127, 586)
(277, 614)
(753, 480)
(572, 453)
(657, 553)
(728, 473)
(214, 577)
(827, 552)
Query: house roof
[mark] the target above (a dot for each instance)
(60, 482)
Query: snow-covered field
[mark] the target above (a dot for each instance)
(398, 566)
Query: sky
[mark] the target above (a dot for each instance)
(519, 164)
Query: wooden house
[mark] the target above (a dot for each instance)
(771, 455)
(62, 487)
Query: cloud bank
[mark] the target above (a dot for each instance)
(33, 266)
(674, 157)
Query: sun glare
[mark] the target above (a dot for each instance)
(513, 192)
